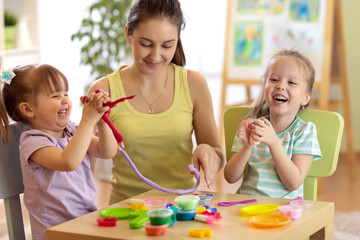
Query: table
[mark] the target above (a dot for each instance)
(233, 226)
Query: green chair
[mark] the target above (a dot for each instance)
(11, 183)
(329, 125)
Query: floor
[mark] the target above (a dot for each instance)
(339, 188)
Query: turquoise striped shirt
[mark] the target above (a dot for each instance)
(261, 178)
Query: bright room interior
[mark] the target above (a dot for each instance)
(46, 32)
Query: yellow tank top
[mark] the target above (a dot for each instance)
(160, 145)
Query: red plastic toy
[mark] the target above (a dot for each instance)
(107, 222)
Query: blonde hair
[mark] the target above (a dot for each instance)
(28, 82)
(259, 106)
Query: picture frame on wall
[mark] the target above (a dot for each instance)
(257, 29)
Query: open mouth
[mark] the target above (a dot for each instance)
(63, 112)
(280, 98)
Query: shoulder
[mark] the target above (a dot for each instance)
(302, 124)
(199, 90)
(101, 83)
(34, 133)
(32, 140)
(196, 81)
(303, 128)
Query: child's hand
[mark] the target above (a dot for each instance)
(263, 131)
(105, 95)
(93, 105)
(244, 131)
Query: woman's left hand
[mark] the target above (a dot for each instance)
(207, 158)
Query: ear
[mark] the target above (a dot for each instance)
(26, 110)
(306, 99)
(127, 34)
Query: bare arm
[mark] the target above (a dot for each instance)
(209, 154)
(106, 137)
(234, 169)
(73, 154)
(291, 172)
(105, 145)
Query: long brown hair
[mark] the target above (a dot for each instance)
(259, 106)
(142, 10)
(29, 80)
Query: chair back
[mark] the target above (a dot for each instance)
(329, 126)
(11, 183)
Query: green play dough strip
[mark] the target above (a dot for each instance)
(119, 213)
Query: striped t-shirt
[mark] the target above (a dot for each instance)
(261, 178)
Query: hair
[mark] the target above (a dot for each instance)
(260, 107)
(143, 10)
(28, 82)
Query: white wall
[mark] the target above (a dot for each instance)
(58, 21)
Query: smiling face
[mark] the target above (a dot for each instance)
(153, 44)
(286, 88)
(51, 111)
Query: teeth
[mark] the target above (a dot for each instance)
(63, 112)
(280, 98)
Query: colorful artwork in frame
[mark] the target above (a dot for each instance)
(304, 10)
(255, 35)
(260, 6)
(248, 38)
(303, 38)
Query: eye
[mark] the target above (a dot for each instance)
(292, 83)
(167, 46)
(145, 45)
(273, 80)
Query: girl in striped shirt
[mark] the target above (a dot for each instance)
(277, 146)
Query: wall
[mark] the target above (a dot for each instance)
(58, 20)
(351, 19)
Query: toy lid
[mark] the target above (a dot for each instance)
(304, 203)
(163, 212)
(187, 198)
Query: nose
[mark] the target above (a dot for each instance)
(280, 86)
(155, 54)
(64, 100)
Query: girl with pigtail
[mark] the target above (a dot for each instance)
(58, 182)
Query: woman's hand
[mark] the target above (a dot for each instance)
(208, 159)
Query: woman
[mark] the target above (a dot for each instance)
(171, 103)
